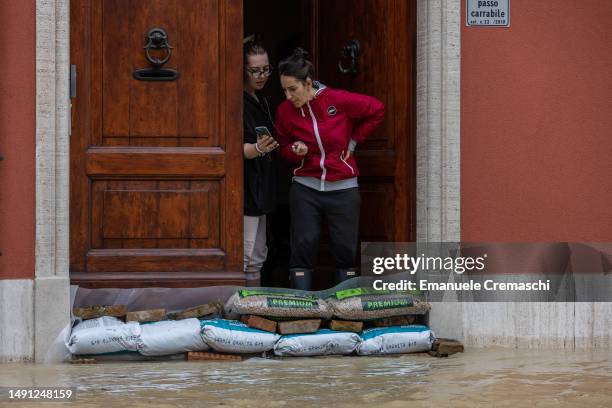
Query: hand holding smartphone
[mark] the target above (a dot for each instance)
(265, 141)
(262, 131)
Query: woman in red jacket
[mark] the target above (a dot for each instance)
(317, 129)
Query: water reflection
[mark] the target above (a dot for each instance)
(476, 378)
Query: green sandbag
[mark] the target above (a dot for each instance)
(368, 304)
(271, 303)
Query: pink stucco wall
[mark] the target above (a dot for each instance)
(17, 138)
(536, 124)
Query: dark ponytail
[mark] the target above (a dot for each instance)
(296, 65)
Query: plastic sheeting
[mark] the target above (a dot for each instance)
(171, 299)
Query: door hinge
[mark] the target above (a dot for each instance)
(73, 83)
(73, 94)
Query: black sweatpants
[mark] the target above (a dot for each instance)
(308, 209)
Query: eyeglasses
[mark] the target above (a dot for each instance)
(260, 72)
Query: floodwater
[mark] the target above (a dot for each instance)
(478, 377)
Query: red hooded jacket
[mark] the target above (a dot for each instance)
(327, 125)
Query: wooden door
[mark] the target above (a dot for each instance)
(386, 32)
(156, 166)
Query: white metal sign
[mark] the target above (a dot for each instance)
(489, 13)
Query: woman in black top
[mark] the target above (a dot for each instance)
(259, 166)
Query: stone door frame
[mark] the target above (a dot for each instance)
(438, 153)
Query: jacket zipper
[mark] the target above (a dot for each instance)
(316, 131)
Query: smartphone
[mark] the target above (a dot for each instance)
(262, 131)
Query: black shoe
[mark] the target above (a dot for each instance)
(301, 278)
(344, 274)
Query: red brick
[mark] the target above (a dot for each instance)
(208, 356)
(446, 347)
(343, 325)
(143, 316)
(197, 311)
(258, 322)
(393, 321)
(299, 326)
(91, 312)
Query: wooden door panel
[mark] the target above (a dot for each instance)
(153, 107)
(178, 109)
(119, 161)
(377, 221)
(198, 116)
(158, 213)
(114, 53)
(385, 30)
(155, 260)
(156, 167)
(376, 163)
(369, 22)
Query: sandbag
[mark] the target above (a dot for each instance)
(321, 343)
(277, 304)
(230, 336)
(395, 339)
(368, 304)
(170, 337)
(104, 335)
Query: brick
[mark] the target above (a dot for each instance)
(299, 326)
(83, 361)
(342, 325)
(393, 321)
(446, 347)
(449, 346)
(197, 311)
(143, 316)
(258, 322)
(91, 312)
(280, 318)
(208, 356)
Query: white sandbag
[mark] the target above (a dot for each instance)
(323, 342)
(231, 336)
(104, 335)
(396, 339)
(170, 337)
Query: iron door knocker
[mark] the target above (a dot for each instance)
(350, 52)
(157, 39)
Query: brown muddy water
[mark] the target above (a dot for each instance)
(478, 377)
